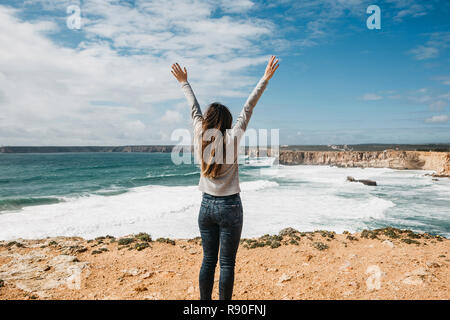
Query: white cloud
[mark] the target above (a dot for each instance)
(371, 97)
(234, 6)
(321, 17)
(134, 128)
(424, 52)
(436, 44)
(437, 119)
(438, 105)
(445, 96)
(156, 27)
(422, 90)
(425, 96)
(172, 117)
(407, 8)
(94, 94)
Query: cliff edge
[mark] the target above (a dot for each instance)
(417, 160)
(384, 263)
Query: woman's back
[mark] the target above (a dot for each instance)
(227, 181)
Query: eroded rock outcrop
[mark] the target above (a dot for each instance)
(363, 181)
(38, 270)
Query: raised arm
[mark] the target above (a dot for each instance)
(246, 113)
(181, 76)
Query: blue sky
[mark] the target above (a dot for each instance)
(108, 83)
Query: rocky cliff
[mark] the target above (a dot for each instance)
(50, 149)
(419, 160)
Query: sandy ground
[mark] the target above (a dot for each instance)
(388, 264)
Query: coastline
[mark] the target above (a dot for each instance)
(418, 159)
(439, 162)
(379, 264)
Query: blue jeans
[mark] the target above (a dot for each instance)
(220, 223)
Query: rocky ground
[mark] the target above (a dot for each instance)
(378, 264)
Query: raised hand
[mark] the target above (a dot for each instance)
(179, 74)
(272, 66)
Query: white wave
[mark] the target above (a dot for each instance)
(260, 162)
(310, 198)
(268, 211)
(258, 185)
(155, 209)
(160, 210)
(172, 174)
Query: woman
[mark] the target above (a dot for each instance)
(220, 217)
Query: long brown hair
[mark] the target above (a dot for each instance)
(216, 117)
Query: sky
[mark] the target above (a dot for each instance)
(108, 82)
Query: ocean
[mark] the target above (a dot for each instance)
(97, 194)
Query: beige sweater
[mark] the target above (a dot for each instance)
(228, 181)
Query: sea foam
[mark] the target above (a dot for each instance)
(304, 197)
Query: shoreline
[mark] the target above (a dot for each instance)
(437, 161)
(383, 263)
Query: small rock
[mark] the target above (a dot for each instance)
(388, 243)
(346, 267)
(347, 293)
(81, 250)
(63, 258)
(363, 181)
(421, 272)
(433, 265)
(284, 278)
(131, 272)
(147, 275)
(415, 277)
(140, 289)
